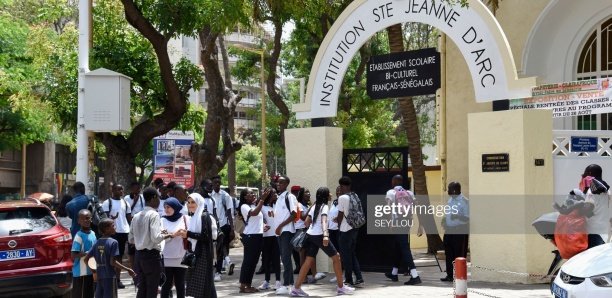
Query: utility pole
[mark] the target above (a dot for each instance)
(82, 162)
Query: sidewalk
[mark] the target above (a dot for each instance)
(376, 285)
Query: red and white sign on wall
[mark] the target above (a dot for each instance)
(172, 160)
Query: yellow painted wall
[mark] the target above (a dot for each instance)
(525, 136)
(516, 17)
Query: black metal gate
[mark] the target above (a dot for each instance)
(371, 171)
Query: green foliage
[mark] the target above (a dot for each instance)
(185, 17)
(23, 118)
(248, 166)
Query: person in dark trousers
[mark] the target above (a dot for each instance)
(252, 238)
(456, 228)
(401, 241)
(146, 234)
(348, 236)
(78, 202)
(84, 240)
(224, 206)
(285, 211)
(270, 251)
(118, 209)
(105, 251)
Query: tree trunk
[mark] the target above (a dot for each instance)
(271, 64)
(222, 101)
(120, 166)
(231, 162)
(409, 121)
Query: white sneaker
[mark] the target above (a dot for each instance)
(345, 290)
(284, 290)
(320, 275)
(278, 285)
(333, 279)
(264, 286)
(217, 277)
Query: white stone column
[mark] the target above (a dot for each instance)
(525, 135)
(314, 159)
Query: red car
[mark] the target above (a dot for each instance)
(34, 251)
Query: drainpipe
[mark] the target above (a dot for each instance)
(442, 112)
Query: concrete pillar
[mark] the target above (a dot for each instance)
(525, 135)
(314, 159)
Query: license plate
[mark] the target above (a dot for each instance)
(558, 291)
(17, 254)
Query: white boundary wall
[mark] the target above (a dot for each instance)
(568, 166)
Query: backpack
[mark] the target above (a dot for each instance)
(355, 218)
(405, 199)
(97, 213)
(110, 205)
(297, 214)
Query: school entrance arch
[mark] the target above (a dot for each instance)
(314, 154)
(474, 30)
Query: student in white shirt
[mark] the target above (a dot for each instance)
(318, 238)
(224, 206)
(284, 214)
(174, 248)
(270, 251)
(332, 224)
(348, 235)
(137, 204)
(252, 238)
(119, 210)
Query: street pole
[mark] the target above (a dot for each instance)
(23, 170)
(263, 125)
(82, 162)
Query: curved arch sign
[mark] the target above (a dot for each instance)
(473, 29)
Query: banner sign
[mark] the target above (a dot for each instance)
(171, 158)
(570, 99)
(404, 74)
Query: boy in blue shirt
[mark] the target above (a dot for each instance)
(82, 278)
(105, 251)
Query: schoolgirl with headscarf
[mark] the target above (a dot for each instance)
(174, 249)
(201, 233)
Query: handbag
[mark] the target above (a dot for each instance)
(189, 258)
(299, 239)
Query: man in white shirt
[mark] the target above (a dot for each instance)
(285, 211)
(348, 236)
(119, 210)
(146, 234)
(224, 206)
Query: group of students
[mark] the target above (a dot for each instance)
(159, 226)
(272, 222)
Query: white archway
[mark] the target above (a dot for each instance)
(474, 30)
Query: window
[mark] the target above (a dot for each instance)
(595, 61)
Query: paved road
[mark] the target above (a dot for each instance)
(378, 286)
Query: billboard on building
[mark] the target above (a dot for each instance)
(171, 158)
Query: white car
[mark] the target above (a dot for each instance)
(586, 275)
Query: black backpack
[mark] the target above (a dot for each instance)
(97, 213)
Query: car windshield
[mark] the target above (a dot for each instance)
(25, 220)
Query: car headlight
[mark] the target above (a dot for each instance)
(604, 280)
